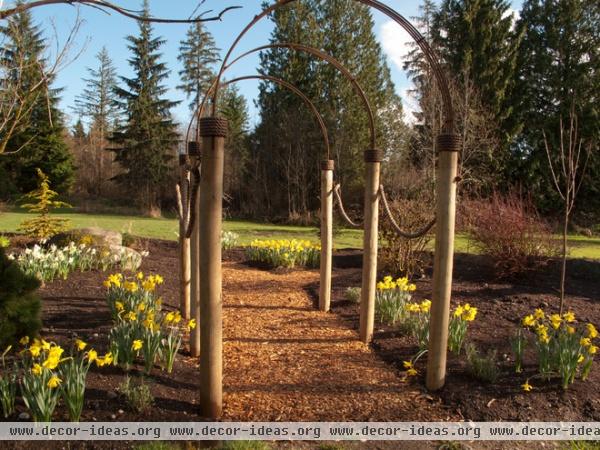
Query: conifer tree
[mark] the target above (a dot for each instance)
(98, 105)
(144, 143)
(198, 54)
(39, 141)
(559, 75)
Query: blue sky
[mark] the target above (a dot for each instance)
(100, 29)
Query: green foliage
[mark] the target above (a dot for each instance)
(37, 142)
(19, 304)
(353, 294)
(391, 298)
(484, 368)
(559, 68)
(8, 386)
(74, 372)
(144, 142)
(43, 226)
(246, 445)
(138, 396)
(198, 54)
(4, 242)
(287, 145)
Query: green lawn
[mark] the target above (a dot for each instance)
(581, 246)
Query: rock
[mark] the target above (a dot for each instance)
(113, 416)
(92, 236)
(24, 416)
(130, 259)
(121, 411)
(112, 395)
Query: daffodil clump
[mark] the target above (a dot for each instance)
(417, 322)
(140, 327)
(48, 264)
(284, 253)
(459, 324)
(391, 298)
(47, 374)
(563, 346)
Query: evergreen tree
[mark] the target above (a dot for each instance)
(234, 108)
(20, 306)
(559, 70)
(288, 144)
(39, 141)
(98, 105)
(199, 54)
(478, 44)
(146, 139)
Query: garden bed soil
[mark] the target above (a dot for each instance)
(286, 361)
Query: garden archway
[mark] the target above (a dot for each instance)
(213, 131)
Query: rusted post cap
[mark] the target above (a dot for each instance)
(214, 127)
(448, 142)
(327, 164)
(373, 155)
(194, 149)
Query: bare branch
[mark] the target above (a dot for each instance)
(108, 6)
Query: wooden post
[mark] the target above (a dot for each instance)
(369, 273)
(184, 242)
(195, 155)
(326, 234)
(448, 146)
(213, 131)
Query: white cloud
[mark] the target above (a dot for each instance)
(395, 42)
(515, 15)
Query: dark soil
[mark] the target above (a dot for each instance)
(285, 361)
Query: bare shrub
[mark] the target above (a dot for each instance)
(508, 229)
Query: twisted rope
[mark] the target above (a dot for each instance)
(336, 191)
(404, 234)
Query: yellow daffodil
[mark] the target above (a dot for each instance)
(556, 320)
(148, 285)
(585, 342)
(137, 345)
(24, 340)
(459, 311)
(131, 286)
(92, 356)
(141, 307)
(425, 305)
(131, 316)
(169, 317)
(569, 317)
(469, 314)
(140, 275)
(35, 350)
(80, 344)
(529, 321)
(177, 317)
(36, 369)
(580, 359)
(538, 314)
(592, 331)
(119, 306)
(54, 382)
(191, 324)
(411, 372)
(570, 329)
(526, 386)
(592, 349)
(407, 364)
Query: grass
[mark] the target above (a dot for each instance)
(165, 228)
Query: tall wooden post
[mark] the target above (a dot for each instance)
(184, 242)
(448, 147)
(213, 131)
(326, 233)
(195, 156)
(369, 274)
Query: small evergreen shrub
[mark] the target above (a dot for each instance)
(19, 304)
(139, 397)
(482, 367)
(42, 201)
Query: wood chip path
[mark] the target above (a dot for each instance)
(287, 361)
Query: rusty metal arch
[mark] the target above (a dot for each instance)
(319, 54)
(391, 13)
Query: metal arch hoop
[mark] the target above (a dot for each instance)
(391, 13)
(329, 59)
(315, 52)
(296, 91)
